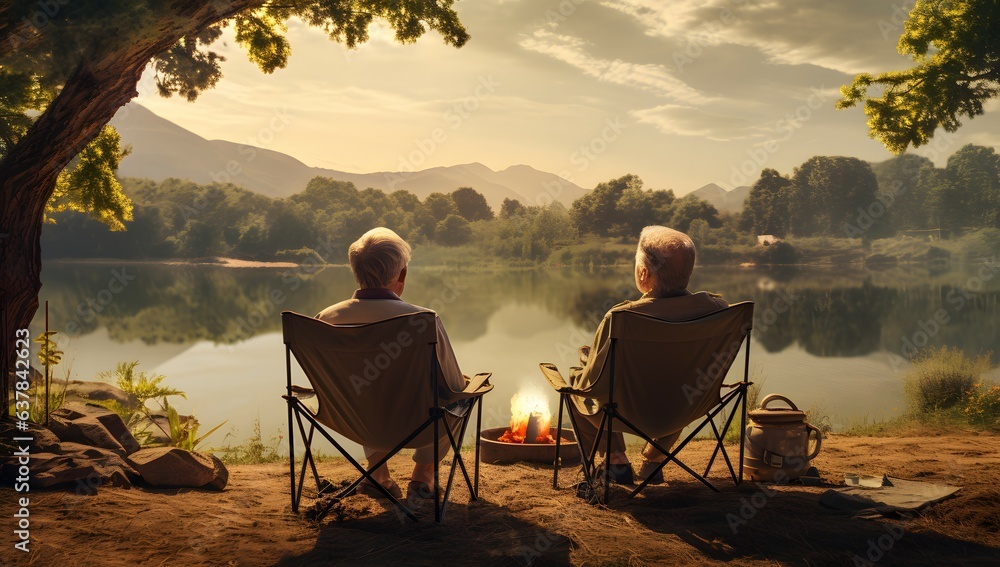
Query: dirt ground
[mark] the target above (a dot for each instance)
(520, 519)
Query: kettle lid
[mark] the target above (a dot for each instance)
(765, 414)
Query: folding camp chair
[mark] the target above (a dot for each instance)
(379, 385)
(660, 377)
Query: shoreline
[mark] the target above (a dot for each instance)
(520, 519)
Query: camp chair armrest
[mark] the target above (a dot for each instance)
(301, 392)
(735, 384)
(555, 378)
(479, 384)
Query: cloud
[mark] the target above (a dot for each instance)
(651, 77)
(850, 36)
(717, 124)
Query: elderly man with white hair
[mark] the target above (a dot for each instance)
(664, 260)
(379, 261)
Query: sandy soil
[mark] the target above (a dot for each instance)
(521, 520)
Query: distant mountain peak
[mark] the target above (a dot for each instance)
(162, 149)
(725, 201)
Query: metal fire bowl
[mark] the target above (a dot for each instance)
(493, 451)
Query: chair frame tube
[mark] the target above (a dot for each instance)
(738, 396)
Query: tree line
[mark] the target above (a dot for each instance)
(842, 196)
(825, 196)
(178, 218)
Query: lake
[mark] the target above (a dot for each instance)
(833, 339)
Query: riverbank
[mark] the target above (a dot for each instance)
(972, 247)
(521, 520)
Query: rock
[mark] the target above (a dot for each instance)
(177, 468)
(96, 455)
(50, 470)
(158, 429)
(93, 425)
(220, 472)
(84, 391)
(42, 437)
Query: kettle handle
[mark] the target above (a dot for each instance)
(819, 442)
(772, 397)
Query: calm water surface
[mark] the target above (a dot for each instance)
(835, 340)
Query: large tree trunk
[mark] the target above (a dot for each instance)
(91, 97)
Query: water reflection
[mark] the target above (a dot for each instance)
(820, 334)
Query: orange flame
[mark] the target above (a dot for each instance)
(523, 406)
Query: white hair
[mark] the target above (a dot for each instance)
(378, 257)
(668, 256)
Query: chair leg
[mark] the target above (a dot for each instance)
(291, 458)
(587, 463)
(611, 409)
(437, 485)
(557, 462)
(479, 439)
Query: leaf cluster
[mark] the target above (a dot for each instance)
(957, 69)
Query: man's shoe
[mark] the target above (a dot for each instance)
(369, 489)
(620, 474)
(647, 468)
(416, 491)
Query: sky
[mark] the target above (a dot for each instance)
(681, 93)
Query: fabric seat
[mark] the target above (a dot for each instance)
(379, 385)
(659, 378)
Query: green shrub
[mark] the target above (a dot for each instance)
(778, 253)
(982, 405)
(253, 451)
(941, 378)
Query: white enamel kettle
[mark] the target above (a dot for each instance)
(778, 442)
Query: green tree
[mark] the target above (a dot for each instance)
(689, 208)
(831, 194)
(471, 204)
(957, 55)
(975, 170)
(453, 231)
(597, 211)
(67, 67)
(899, 180)
(440, 206)
(766, 207)
(510, 208)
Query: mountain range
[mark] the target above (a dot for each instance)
(725, 201)
(162, 149)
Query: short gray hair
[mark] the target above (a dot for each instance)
(668, 255)
(378, 257)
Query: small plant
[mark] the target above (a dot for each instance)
(184, 434)
(253, 450)
(736, 428)
(46, 398)
(982, 406)
(145, 387)
(941, 378)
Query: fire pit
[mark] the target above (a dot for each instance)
(529, 437)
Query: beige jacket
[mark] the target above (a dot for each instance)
(371, 306)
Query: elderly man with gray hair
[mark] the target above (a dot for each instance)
(664, 260)
(379, 261)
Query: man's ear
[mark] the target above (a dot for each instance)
(402, 275)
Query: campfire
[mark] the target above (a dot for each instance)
(529, 419)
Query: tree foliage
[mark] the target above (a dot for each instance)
(954, 45)
(471, 204)
(766, 208)
(43, 43)
(621, 207)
